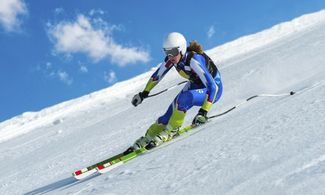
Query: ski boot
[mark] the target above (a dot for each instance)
(139, 143)
(162, 137)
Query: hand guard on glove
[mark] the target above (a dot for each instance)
(138, 98)
(201, 117)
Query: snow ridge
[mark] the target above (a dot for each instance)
(30, 120)
(283, 30)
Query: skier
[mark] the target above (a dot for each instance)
(203, 89)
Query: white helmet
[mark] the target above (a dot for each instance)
(175, 40)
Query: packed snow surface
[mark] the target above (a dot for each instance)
(269, 145)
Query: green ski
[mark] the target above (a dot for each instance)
(117, 160)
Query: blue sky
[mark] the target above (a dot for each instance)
(53, 51)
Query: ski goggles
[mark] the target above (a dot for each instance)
(172, 51)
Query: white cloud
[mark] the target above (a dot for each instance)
(64, 77)
(10, 10)
(110, 77)
(95, 40)
(211, 31)
(83, 69)
(48, 65)
(50, 71)
(96, 11)
(58, 10)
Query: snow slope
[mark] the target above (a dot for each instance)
(270, 145)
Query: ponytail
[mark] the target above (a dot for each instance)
(196, 47)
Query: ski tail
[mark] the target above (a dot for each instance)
(90, 170)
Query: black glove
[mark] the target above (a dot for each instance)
(138, 98)
(201, 117)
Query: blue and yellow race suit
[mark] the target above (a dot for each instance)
(202, 89)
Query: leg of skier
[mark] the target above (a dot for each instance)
(156, 128)
(191, 95)
(168, 125)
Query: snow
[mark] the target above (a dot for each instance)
(270, 145)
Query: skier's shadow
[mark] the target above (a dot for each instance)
(61, 184)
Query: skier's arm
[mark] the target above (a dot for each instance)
(198, 65)
(153, 81)
(158, 75)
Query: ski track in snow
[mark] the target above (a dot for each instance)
(269, 145)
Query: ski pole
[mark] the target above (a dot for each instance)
(250, 98)
(152, 95)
